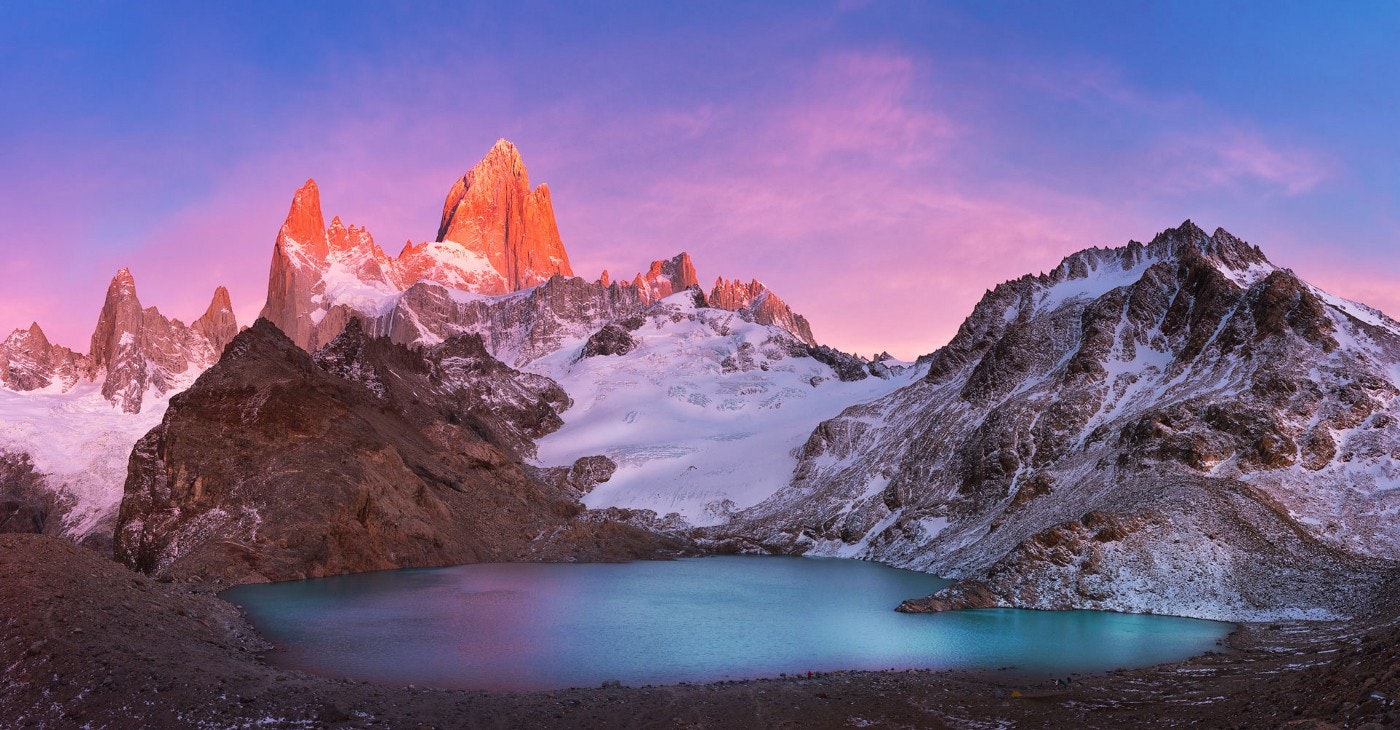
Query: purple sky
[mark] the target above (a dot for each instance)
(878, 164)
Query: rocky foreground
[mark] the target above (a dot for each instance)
(86, 642)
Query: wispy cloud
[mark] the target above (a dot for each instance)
(1233, 157)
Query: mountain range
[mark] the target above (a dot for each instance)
(1175, 427)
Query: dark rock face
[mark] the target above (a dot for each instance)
(26, 504)
(848, 367)
(514, 329)
(1247, 417)
(277, 465)
(583, 476)
(612, 339)
(456, 381)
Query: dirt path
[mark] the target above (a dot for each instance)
(85, 642)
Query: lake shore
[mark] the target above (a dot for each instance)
(88, 642)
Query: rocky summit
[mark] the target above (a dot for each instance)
(493, 212)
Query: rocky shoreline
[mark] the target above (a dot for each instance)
(88, 642)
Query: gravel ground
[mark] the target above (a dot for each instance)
(86, 642)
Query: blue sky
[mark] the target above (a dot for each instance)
(879, 164)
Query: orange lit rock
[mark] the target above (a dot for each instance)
(764, 305)
(493, 212)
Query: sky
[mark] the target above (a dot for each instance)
(879, 165)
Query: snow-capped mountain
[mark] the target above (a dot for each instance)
(499, 269)
(746, 366)
(72, 419)
(1175, 427)
(1178, 427)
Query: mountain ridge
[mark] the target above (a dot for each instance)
(1086, 422)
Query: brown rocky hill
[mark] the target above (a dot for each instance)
(278, 465)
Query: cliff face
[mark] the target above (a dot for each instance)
(1173, 427)
(493, 212)
(276, 466)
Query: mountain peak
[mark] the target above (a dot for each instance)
(218, 324)
(221, 299)
(668, 276)
(492, 211)
(1221, 248)
(765, 306)
(305, 224)
(37, 337)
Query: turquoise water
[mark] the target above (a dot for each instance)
(544, 626)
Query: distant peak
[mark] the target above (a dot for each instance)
(37, 337)
(1222, 248)
(221, 299)
(305, 223)
(122, 286)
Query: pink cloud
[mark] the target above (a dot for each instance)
(847, 197)
(1216, 159)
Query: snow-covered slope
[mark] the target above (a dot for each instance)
(702, 415)
(80, 444)
(1174, 427)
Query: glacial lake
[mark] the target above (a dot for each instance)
(522, 626)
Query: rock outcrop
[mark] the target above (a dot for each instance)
(276, 466)
(762, 304)
(1174, 427)
(666, 277)
(516, 329)
(26, 503)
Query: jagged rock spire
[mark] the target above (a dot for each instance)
(218, 323)
(493, 212)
